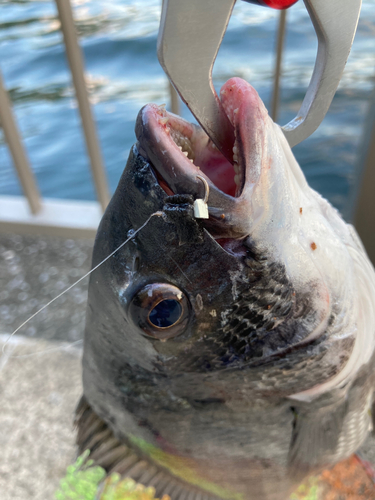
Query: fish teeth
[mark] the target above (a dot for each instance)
(237, 179)
(180, 148)
(185, 153)
(164, 120)
(235, 151)
(236, 168)
(235, 111)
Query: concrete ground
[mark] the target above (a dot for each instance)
(40, 371)
(34, 270)
(40, 385)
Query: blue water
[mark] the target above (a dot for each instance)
(118, 38)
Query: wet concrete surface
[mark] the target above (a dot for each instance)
(40, 377)
(40, 385)
(33, 271)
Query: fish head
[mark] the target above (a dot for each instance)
(256, 278)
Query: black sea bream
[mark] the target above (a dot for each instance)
(228, 357)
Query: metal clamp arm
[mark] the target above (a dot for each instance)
(190, 36)
(335, 23)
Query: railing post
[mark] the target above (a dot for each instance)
(17, 151)
(277, 73)
(364, 210)
(75, 59)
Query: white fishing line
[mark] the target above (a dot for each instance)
(158, 214)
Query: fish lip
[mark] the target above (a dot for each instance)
(179, 174)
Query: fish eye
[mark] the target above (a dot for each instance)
(160, 310)
(166, 313)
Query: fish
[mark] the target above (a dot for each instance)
(232, 356)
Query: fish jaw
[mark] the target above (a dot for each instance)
(253, 133)
(180, 151)
(244, 195)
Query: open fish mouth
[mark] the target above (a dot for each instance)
(189, 152)
(180, 151)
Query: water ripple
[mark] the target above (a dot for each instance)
(118, 39)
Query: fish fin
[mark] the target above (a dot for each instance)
(315, 435)
(115, 455)
(325, 435)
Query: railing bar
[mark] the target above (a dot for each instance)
(17, 151)
(57, 217)
(279, 57)
(364, 209)
(75, 59)
(175, 102)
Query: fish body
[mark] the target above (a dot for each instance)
(233, 355)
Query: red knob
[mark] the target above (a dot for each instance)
(274, 4)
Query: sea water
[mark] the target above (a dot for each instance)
(118, 39)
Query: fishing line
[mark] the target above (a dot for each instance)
(134, 233)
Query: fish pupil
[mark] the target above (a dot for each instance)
(166, 313)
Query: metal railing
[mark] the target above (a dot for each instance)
(20, 160)
(35, 215)
(32, 214)
(75, 59)
(364, 212)
(46, 216)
